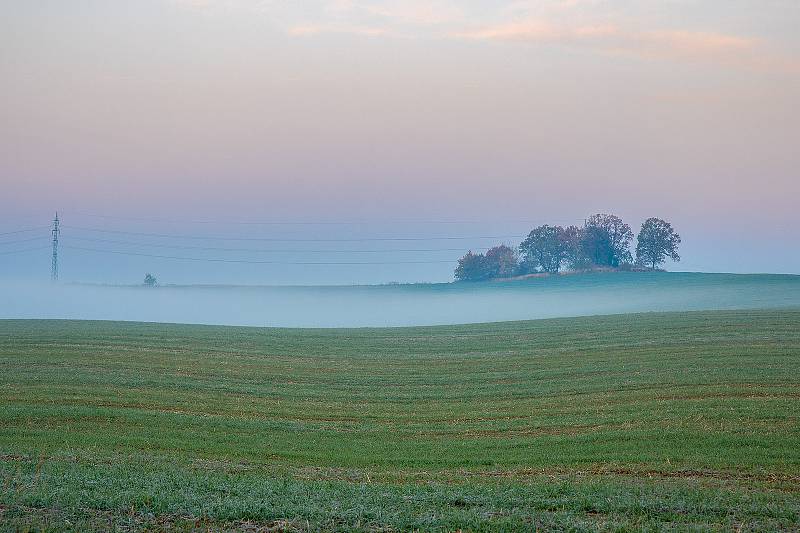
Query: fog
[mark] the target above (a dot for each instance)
(401, 305)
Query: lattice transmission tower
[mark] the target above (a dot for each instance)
(54, 266)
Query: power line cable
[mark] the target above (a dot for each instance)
(255, 262)
(25, 250)
(304, 222)
(261, 250)
(271, 239)
(25, 230)
(23, 240)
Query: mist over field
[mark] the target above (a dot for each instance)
(403, 305)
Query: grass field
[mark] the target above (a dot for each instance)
(677, 420)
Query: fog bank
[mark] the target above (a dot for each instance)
(403, 305)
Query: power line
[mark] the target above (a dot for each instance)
(25, 250)
(262, 250)
(270, 239)
(22, 240)
(254, 262)
(302, 222)
(25, 230)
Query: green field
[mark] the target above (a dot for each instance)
(651, 421)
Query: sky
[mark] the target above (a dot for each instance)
(331, 121)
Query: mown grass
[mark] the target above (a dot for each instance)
(650, 421)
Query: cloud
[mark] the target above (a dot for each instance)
(538, 31)
(409, 18)
(610, 38)
(689, 43)
(599, 26)
(215, 7)
(417, 13)
(305, 30)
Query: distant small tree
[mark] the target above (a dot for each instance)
(472, 267)
(657, 241)
(606, 240)
(501, 262)
(150, 280)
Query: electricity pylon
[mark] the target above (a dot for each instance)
(54, 266)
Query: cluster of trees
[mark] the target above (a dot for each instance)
(603, 242)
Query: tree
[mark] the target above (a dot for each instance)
(542, 249)
(150, 280)
(657, 241)
(573, 257)
(472, 267)
(606, 240)
(501, 262)
(549, 247)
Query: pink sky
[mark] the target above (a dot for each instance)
(348, 110)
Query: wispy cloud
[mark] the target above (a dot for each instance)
(417, 13)
(407, 18)
(304, 30)
(538, 31)
(599, 26)
(611, 38)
